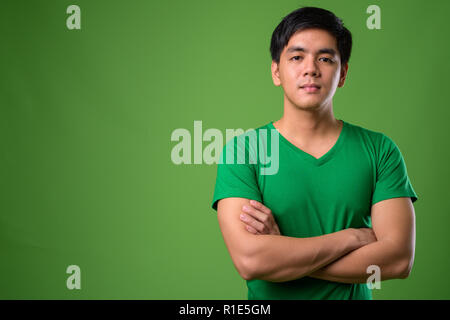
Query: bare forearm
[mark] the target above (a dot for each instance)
(279, 258)
(352, 268)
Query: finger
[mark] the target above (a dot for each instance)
(250, 221)
(255, 213)
(258, 205)
(251, 229)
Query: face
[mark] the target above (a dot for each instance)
(311, 57)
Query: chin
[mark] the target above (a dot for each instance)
(307, 106)
(308, 102)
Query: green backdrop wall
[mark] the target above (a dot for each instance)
(86, 118)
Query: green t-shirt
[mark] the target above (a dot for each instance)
(311, 197)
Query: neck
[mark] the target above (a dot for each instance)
(308, 124)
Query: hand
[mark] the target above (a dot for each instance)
(259, 219)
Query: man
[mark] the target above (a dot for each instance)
(341, 200)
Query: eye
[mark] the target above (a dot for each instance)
(296, 58)
(328, 60)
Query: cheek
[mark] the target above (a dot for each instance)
(330, 80)
(337, 76)
(291, 78)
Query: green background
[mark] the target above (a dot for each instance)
(87, 115)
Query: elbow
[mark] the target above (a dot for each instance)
(246, 275)
(405, 273)
(405, 268)
(246, 268)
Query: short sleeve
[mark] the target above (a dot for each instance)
(392, 179)
(235, 179)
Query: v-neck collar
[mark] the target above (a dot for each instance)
(310, 158)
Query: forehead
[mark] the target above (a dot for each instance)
(312, 39)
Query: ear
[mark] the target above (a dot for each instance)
(275, 74)
(344, 70)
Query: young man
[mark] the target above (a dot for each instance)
(341, 200)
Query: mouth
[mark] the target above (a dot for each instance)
(310, 87)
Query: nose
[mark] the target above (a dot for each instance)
(311, 68)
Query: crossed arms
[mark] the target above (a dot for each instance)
(258, 250)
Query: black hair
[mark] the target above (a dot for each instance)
(308, 18)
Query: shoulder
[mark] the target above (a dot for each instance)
(377, 139)
(236, 137)
(242, 143)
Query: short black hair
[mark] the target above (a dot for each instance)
(308, 18)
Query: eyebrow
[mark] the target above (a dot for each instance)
(323, 50)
